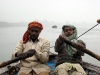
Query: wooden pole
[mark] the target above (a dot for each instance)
(78, 47)
(3, 64)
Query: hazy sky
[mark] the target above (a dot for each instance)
(50, 10)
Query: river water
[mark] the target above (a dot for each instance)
(9, 36)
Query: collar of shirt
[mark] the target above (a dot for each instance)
(35, 40)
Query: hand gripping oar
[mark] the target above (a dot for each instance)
(78, 47)
(16, 59)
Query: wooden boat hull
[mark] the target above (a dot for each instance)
(88, 67)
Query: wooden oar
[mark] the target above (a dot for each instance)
(16, 59)
(78, 47)
(3, 64)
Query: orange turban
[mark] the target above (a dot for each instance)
(30, 25)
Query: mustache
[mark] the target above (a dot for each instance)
(32, 35)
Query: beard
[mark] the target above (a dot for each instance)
(34, 37)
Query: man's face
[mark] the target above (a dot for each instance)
(68, 31)
(34, 32)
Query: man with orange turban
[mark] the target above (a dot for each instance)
(35, 65)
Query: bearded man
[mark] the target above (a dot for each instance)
(35, 65)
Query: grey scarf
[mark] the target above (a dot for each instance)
(73, 38)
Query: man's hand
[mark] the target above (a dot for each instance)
(62, 37)
(31, 52)
(80, 44)
(21, 55)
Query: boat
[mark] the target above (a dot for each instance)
(13, 68)
(89, 68)
(54, 26)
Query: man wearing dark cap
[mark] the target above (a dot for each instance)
(35, 65)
